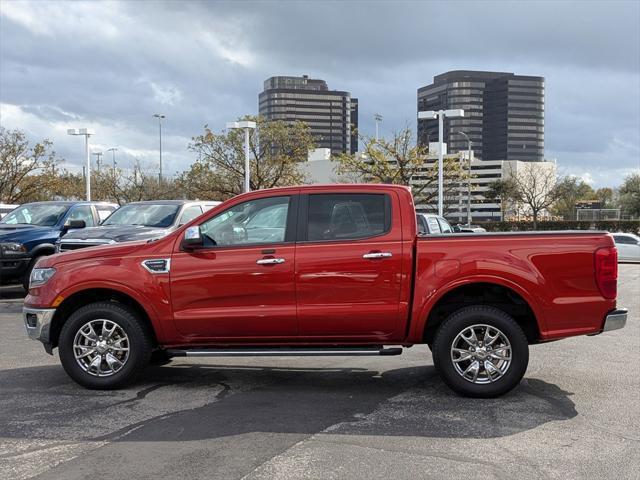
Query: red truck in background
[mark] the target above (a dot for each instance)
(323, 270)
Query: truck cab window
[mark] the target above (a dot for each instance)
(190, 213)
(82, 212)
(261, 221)
(444, 225)
(434, 226)
(347, 216)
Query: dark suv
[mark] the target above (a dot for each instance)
(32, 230)
(136, 221)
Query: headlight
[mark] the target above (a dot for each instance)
(13, 248)
(40, 276)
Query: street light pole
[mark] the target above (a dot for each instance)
(440, 114)
(87, 132)
(160, 117)
(246, 126)
(113, 151)
(378, 118)
(469, 143)
(98, 159)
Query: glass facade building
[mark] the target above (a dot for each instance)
(331, 115)
(504, 114)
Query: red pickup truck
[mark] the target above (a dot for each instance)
(323, 270)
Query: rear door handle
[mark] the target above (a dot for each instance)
(372, 255)
(270, 261)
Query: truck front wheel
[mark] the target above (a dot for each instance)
(480, 351)
(104, 345)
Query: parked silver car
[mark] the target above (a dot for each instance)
(6, 208)
(628, 246)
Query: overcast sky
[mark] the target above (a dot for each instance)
(112, 65)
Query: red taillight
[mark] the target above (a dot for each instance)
(607, 271)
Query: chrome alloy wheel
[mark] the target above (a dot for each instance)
(481, 354)
(101, 347)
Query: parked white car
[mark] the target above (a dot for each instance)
(6, 208)
(429, 224)
(628, 246)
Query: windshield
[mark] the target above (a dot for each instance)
(149, 215)
(46, 215)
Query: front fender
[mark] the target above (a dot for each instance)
(124, 276)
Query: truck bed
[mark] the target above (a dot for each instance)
(553, 272)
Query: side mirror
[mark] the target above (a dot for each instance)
(73, 225)
(192, 238)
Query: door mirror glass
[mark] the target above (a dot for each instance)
(192, 238)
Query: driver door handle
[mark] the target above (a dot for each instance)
(270, 261)
(373, 255)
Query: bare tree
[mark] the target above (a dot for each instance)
(26, 172)
(276, 149)
(503, 190)
(535, 186)
(398, 161)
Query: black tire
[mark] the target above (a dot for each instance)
(140, 345)
(27, 273)
(456, 323)
(159, 358)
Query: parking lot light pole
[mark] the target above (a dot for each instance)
(98, 159)
(440, 114)
(377, 118)
(469, 143)
(87, 132)
(246, 126)
(113, 151)
(160, 117)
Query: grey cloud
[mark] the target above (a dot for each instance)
(210, 59)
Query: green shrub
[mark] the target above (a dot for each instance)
(628, 226)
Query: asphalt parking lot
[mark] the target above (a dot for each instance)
(575, 415)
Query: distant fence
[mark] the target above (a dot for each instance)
(629, 226)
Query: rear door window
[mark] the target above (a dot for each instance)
(433, 225)
(190, 213)
(444, 225)
(347, 216)
(624, 240)
(82, 212)
(104, 211)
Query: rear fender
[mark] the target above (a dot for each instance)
(421, 312)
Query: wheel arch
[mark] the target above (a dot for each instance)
(43, 249)
(508, 298)
(87, 296)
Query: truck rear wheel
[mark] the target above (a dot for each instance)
(480, 351)
(104, 345)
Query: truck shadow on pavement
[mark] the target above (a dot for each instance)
(186, 402)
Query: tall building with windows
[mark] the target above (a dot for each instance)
(504, 114)
(330, 114)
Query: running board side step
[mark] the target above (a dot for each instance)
(283, 352)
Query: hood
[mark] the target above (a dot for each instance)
(114, 250)
(20, 233)
(116, 233)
